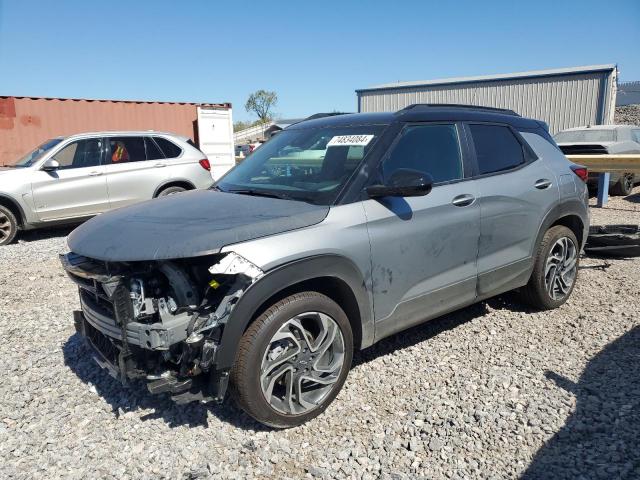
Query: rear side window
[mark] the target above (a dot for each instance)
(497, 148)
(636, 135)
(170, 149)
(432, 149)
(153, 152)
(126, 149)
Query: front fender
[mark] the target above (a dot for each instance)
(285, 276)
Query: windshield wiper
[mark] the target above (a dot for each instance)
(260, 193)
(281, 196)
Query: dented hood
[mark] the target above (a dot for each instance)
(189, 224)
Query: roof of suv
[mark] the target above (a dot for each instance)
(125, 132)
(424, 112)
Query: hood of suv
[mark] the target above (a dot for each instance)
(188, 224)
(9, 175)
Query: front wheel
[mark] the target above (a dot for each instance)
(8, 226)
(293, 360)
(555, 270)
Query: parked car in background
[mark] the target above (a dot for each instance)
(603, 139)
(69, 179)
(247, 148)
(335, 234)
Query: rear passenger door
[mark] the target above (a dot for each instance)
(423, 249)
(515, 192)
(135, 168)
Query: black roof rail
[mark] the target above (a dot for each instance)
(322, 115)
(505, 111)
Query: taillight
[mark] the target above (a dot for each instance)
(581, 172)
(204, 163)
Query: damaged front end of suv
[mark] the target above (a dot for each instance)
(160, 320)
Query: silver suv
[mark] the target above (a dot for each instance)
(68, 179)
(336, 233)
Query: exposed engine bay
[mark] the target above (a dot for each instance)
(160, 321)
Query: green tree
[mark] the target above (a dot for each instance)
(262, 103)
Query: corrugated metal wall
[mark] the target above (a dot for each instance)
(563, 101)
(27, 122)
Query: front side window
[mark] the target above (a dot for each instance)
(309, 164)
(80, 154)
(126, 149)
(432, 149)
(497, 148)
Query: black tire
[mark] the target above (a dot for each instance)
(8, 226)
(171, 191)
(245, 374)
(535, 293)
(624, 186)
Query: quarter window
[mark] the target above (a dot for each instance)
(170, 149)
(80, 154)
(126, 149)
(432, 149)
(497, 148)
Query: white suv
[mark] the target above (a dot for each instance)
(68, 179)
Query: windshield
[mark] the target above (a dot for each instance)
(36, 153)
(585, 136)
(303, 164)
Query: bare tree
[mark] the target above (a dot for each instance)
(261, 103)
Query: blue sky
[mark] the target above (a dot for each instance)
(314, 54)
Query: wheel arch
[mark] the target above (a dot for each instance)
(573, 214)
(180, 182)
(332, 275)
(574, 223)
(15, 208)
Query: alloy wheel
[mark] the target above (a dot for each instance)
(628, 182)
(302, 362)
(561, 268)
(5, 226)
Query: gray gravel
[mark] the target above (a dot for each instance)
(492, 391)
(627, 115)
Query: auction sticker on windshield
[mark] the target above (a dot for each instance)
(350, 140)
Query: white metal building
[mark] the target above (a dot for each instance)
(564, 98)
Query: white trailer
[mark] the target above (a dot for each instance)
(215, 138)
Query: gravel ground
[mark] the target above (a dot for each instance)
(627, 115)
(492, 391)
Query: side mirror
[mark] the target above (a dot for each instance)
(403, 183)
(50, 165)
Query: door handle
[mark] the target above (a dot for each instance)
(94, 174)
(463, 200)
(159, 165)
(542, 184)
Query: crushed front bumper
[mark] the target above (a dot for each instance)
(128, 349)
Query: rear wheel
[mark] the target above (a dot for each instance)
(293, 360)
(624, 186)
(555, 270)
(8, 226)
(171, 191)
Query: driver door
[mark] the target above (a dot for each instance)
(78, 188)
(424, 248)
